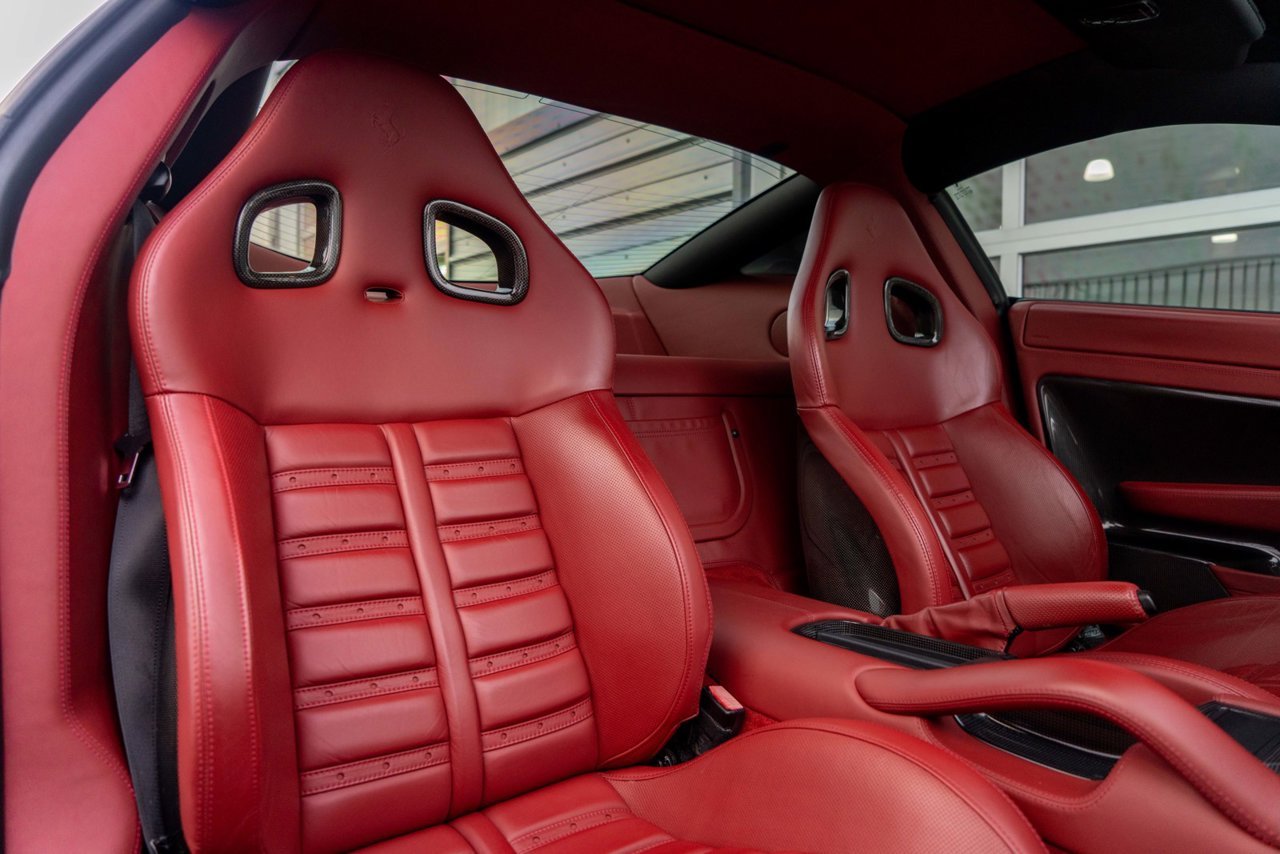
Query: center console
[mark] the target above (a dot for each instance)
(1075, 743)
(1072, 742)
(1103, 752)
(886, 644)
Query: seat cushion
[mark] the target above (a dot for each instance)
(1239, 636)
(812, 785)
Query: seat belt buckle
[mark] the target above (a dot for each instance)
(724, 710)
(720, 717)
(124, 479)
(161, 845)
(131, 447)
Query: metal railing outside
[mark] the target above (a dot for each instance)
(1243, 284)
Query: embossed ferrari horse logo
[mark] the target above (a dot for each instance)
(384, 121)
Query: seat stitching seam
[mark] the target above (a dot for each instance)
(379, 774)
(490, 593)
(354, 618)
(245, 625)
(428, 672)
(685, 582)
(572, 720)
(386, 545)
(533, 520)
(549, 830)
(546, 650)
(516, 470)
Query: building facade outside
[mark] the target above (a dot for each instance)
(1185, 215)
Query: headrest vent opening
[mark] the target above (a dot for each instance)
(316, 270)
(835, 321)
(502, 241)
(912, 313)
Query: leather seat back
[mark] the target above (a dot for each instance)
(420, 564)
(966, 500)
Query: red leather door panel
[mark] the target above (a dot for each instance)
(63, 356)
(1236, 505)
(1173, 414)
(1219, 351)
(709, 476)
(722, 434)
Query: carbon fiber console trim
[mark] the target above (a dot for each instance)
(1076, 744)
(909, 650)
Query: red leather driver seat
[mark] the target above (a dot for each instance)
(966, 500)
(430, 596)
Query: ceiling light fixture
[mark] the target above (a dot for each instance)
(1226, 237)
(1099, 170)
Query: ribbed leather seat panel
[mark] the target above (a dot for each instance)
(371, 725)
(530, 682)
(368, 706)
(928, 460)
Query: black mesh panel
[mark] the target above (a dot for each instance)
(846, 560)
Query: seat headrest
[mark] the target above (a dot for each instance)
(391, 141)
(907, 353)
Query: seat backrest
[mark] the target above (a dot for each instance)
(419, 562)
(903, 397)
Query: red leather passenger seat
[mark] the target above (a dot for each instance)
(430, 596)
(966, 500)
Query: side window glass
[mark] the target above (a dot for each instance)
(283, 237)
(463, 257)
(621, 194)
(1187, 215)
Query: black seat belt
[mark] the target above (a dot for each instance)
(140, 622)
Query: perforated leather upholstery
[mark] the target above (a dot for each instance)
(427, 586)
(966, 500)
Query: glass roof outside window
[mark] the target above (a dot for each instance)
(620, 194)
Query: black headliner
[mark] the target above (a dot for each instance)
(1077, 98)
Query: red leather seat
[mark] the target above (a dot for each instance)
(430, 595)
(966, 500)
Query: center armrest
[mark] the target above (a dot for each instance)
(992, 620)
(757, 654)
(769, 650)
(787, 656)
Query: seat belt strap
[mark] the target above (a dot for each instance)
(140, 622)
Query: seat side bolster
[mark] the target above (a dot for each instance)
(590, 476)
(233, 672)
